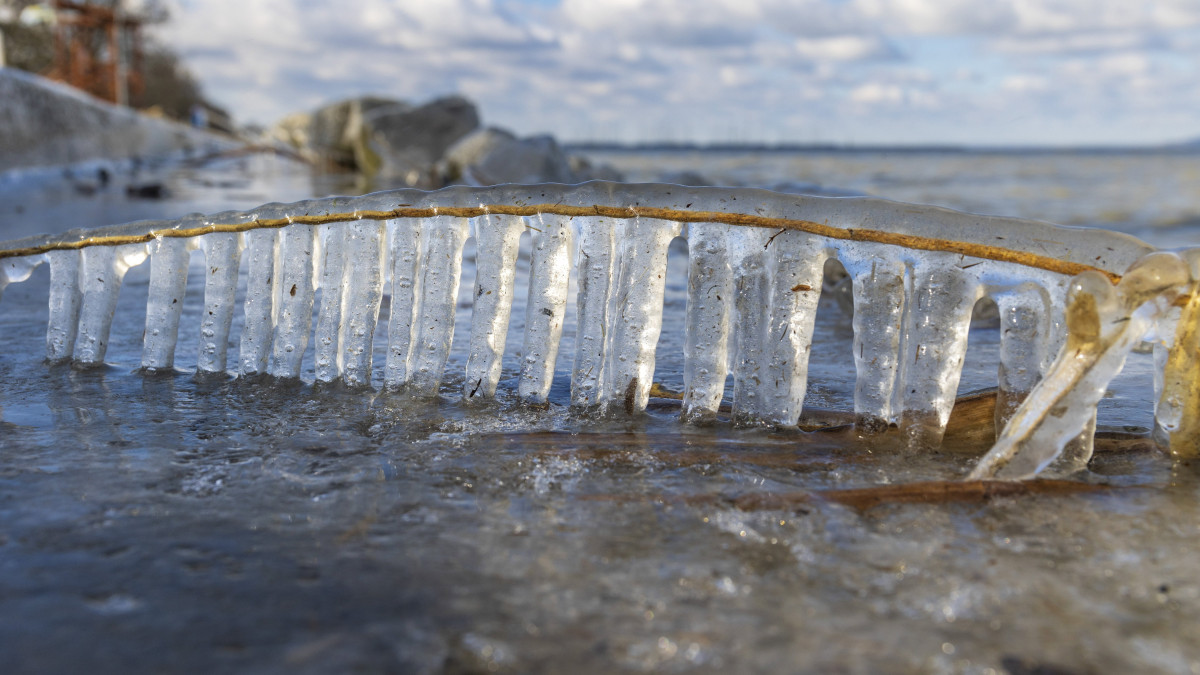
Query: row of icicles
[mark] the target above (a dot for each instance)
(752, 292)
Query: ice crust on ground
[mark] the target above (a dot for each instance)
(751, 300)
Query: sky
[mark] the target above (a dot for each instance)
(977, 72)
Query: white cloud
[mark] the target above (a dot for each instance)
(768, 69)
(875, 92)
(1085, 42)
(1025, 83)
(844, 48)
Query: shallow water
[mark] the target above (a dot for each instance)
(164, 522)
(1153, 194)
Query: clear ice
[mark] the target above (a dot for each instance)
(755, 272)
(1104, 323)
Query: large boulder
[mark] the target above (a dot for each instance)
(408, 143)
(429, 146)
(334, 136)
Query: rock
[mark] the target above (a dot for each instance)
(685, 178)
(429, 146)
(150, 190)
(408, 143)
(493, 156)
(584, 170)
(292, 131)
(334, 136)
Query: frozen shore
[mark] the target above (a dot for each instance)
(50, 125)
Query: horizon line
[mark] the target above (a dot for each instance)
(1192, 145)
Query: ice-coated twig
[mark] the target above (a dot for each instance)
(755, 277)
(1104, 322)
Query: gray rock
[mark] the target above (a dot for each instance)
(334, 136)
(429, 146)
(406, 144)
(685, 178)
(493, 156)
(584, 170)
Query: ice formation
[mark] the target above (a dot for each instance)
(755, 276)
(1104, 323)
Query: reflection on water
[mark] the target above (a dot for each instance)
(189, 524)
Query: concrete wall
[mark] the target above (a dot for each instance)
(47, 124)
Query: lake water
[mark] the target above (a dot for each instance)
(195, 525)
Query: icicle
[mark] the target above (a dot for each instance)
(405, 254)
(1165, 414)
(222, 257)
(329, 321)
(169, 260)
(797, 267)
(497, 239)
(1103, 324)
(910, 324)
(938, 320)
(443, 239)
(102, 270)
(594, 262)
(549, 274)
(362, 295)
(64, 304)
(636, 308)
(748, 247)
(261, 248)
(710, 296)
(1178, 410)
(1024, 319)
(879, 298)
(294, 295)
(17, 269)
(779, 275)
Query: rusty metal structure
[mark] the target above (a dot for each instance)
(98, 48)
